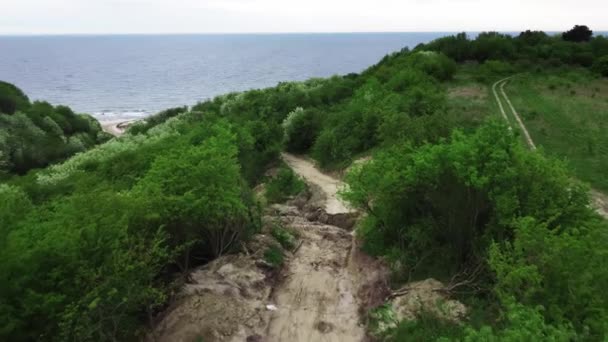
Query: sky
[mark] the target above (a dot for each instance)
(269, 16)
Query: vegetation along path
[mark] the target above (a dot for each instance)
(600, 200)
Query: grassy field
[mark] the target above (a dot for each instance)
(469, 100)
(566, 113)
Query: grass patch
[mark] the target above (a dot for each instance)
(469, 101)
(566, 113)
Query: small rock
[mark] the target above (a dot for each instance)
(324, 327)
(255, 338)
(312, 216)
(225, 269)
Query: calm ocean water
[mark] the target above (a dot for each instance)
(115, 77)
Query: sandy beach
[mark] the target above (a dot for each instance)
(116, 127)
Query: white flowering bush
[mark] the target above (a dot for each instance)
(56, 173)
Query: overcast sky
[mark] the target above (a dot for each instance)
(236, 16)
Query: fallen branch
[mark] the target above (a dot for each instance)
(398, 293)
(465, 278)
(297, 248)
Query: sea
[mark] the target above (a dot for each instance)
(115, 77)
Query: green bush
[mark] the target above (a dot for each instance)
(81, 264)
(91, 253)
(301, 128)
(197, 191)
(283, 236)
(426, 327)
(274, 256)
(600, 66)
(38, 134)
(484, 201)
(143, 126)
(283, 186)
(434, 64)
(521, 324)
(492, 70)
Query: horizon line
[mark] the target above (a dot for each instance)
(265, 33)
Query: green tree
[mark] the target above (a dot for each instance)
(79, 269)
(12, 99)
(579, 33)
(35, 135)
(301, 128)
(198, 193)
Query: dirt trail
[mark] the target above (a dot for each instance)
(529, 140)
(600, 201)
(318, 299)
(328, 185)
(317, 295)
(502, 109)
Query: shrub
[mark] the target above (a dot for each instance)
(284, 237)
(35, 135)
(493, 69)
(144, 126)
(600, 66)
(301, 128)
(283, 186)
(197, 191)
(434, 64)
(435, 178)
(274, 256)
(427, 327)
(483, 201)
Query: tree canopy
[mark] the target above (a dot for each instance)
(579, 33)
(34, 135)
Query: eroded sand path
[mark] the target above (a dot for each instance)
(318, 298)
(329, 185)
(599, 200)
